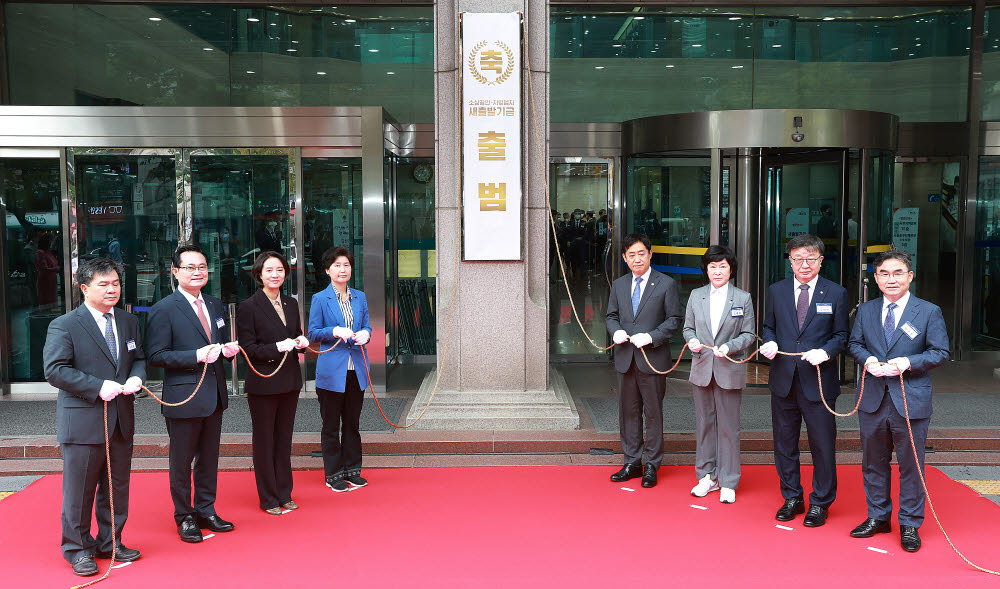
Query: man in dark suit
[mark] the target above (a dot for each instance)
(896, 333)
(185, 330)
(643, 311)
(805, 313)
(94, 356)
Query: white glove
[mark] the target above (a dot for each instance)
(641, 339)
(110, 389)
(901, 364)
(230, 349)
(721, 351)
(362, 337)
(874, 367)
(132, 385)
(816, 356)
(301, 342)
(285, 345)
(770, 350)
(342, 333)
(694, 345)
(619, 337)
(209, 353)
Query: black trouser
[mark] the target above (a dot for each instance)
(85, 472)
(194, 439)
(273, 418)
(640, 400)
(341, 436)
(787, 415)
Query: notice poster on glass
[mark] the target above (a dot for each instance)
(904, 231)
(491, 135)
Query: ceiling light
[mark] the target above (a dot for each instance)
(155, 18)
(320, 73)
(251, 72)
(735, 18)
(617, 45)
(207, 49)
(696, 45)
(737, 67)
(827, 18)
(639, 17)
(252, 19)
(671, 65)
(598, 67)
(291, 50)
(373, 51)
(390, 73)
(349, 20)
(775, 46)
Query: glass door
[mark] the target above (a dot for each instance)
(581, 197)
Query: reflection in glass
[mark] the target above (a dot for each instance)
(580, 197)
(415, 257)
(986, 291)
(30, 191)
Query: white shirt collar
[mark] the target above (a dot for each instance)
(191, 299)
(645, 277)
(98, 316)
(811, 283)
(900, 304)
(712, 291)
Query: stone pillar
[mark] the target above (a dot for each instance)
(495, 374)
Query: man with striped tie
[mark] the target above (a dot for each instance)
(94, 356)
(898, 333)
(643, 312)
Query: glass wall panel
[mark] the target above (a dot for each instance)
(581, 197)
(986, 291)
(612, 64)
(331, 202)
(210, 55)
(33, 244)
(991, 65)
(416, 257)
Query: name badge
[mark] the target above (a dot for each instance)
(220, 323)
(824, 308)
(130, 345)
(736, 312)
(910, 331)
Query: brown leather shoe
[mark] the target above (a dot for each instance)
(273, 510)
(291, 505)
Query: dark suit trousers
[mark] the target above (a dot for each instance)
(85, 473)
(640, 395)
(880, 433)
(787, 414)
(340, 437)
(273, 418)
(194, 439)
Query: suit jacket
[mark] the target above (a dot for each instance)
(736, 331)
(174, 336)
(258, 327)
(927, 349)
(658, 314)
(820, 330)
(77, 362)
(324, 315)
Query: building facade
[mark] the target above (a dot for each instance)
(129, 128)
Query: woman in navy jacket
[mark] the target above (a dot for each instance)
(340, 313)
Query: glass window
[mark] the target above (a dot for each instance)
(986, 292)
(208, 55)
(611, 65)
(991, 65)
(416, 257)
(33, 244)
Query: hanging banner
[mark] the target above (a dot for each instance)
(491, 135)
(905, 222)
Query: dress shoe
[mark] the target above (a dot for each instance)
(356, 481)
(649, 477)
(338, 485)
(705, 486)
(215, 523)
(85, 566)
(909, 539)
(815, 517)
(188, 530)
(870, 527)
(629, 471)
(291, 505)
(790, 509)
(273, 511)
(123, 554)
(727, 495)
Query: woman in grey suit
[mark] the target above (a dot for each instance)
(721, 316)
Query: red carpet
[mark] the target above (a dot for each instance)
(509, 527)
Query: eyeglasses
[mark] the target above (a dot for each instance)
(192, 268)
(806, 261)
(898, 275)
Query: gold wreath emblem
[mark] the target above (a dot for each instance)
(480, 77)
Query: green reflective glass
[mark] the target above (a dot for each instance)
(207, 55)
(33, 245)
(416, 257)
(613, 64)
(991, 65)
(986, 290)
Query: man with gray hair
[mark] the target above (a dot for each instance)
(94, 356)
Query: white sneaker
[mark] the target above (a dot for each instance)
(727, 495)
(705, 486)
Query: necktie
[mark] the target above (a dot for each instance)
(281, 312)
(636, 293)
(109, 337)
(204, 320)
(889, 327)
(802, 305)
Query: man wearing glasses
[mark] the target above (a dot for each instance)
(183, 331)
(897, 333)
(805, 313)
